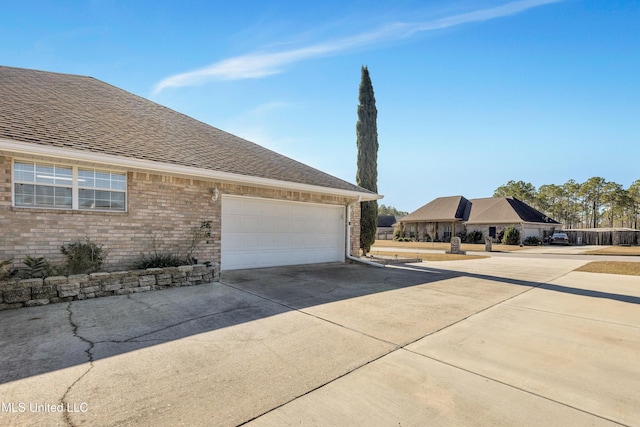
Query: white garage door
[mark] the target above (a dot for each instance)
(267, 233)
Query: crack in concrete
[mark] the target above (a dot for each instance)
(88, 351)
(92, 344)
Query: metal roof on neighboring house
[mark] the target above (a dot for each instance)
(82, 113)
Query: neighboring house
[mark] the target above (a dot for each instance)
(384, 230)
(81, 158)
(445, 217)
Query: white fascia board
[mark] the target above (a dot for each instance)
(173, 169)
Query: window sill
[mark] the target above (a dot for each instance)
(55, 211)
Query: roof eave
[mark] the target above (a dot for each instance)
(512, 222)
(432, 220)
(174, 169)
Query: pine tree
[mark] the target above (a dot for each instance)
(367, 174)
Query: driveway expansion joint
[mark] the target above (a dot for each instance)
(523, 390)
(397, 347)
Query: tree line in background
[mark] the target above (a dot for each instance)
(592, 204)
(390, 210)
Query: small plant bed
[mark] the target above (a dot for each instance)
(426, 257)
(16, 292)
(612, 267)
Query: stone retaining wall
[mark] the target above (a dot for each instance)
(17, 293)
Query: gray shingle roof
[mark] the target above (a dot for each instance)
(83, 113)
(386, 220)
(485, 210)
(505, 210)
(441, 209)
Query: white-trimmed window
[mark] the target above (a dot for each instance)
(54, 186)
(101, 190)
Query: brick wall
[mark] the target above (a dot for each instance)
(355, 229)
(162, 212)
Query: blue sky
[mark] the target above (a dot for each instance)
(470, 94)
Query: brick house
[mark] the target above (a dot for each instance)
(81, 158)
(445, 217)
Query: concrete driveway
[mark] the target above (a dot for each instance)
(496, 341)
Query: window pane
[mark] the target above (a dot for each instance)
(24, 194)
(62, 197)
(103, 183)
(44, 174)
(118, 181)
(117, 201)
(44, 196)
(103, 175)
(24, 172)
(86, 199)
(103, 199)
(103, 180)
(100, 179)
(64, 175)
(86, 178)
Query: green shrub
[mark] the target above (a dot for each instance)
(532, 241)
(36, 267)
(474, 237)
(398, 231)
(511, 236)
(83, 257)
(159, 260)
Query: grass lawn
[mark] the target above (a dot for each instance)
(612, 267)
(425, 257)
(477, 247)
(616, 250)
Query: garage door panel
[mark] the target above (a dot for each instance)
(297, 226)
(263, 233)
(281, 225)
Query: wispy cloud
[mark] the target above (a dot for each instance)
(261, 64)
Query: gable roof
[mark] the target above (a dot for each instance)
(83, 114)
(505, 210)
(485, 210)
(441, 209)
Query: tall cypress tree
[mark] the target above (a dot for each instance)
(367, 174)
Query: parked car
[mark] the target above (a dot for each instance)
(559, 239)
